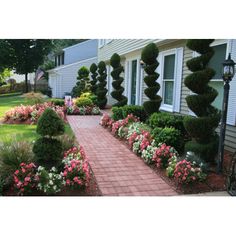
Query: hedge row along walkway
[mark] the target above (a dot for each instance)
(118, 171)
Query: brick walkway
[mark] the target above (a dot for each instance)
(118, 171)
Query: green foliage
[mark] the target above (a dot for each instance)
(136, 110)
(196, 160)
(50, 124)
(83, 102)
(149, 55)
(83, 83)
(33, 98)
(168, 135)
(117, 113)
(164, 119)
(24, 55)
(101, 89)
(6, 73)
(48, 152)
(67, 141)
(201, 128)
(11, 155)
(117, 93)
(93, 71)
(58, 102)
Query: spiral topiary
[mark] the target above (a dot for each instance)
(83, 83)
(93, 71)
(101, 90)
(116, 84)
(201, 128)
(149, 55)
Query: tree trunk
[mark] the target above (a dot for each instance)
(26, 82)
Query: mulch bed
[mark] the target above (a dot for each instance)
(91, 190)
(213, 182)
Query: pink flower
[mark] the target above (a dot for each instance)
(16, 172)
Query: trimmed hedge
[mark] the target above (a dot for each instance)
(93, 70)
(122, 112)
(58, 102)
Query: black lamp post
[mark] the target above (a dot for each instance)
(228, 74)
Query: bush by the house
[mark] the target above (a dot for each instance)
(83, 102)
(149, 56)
(141, 142)
(47, 149)
(117, 93)
(92, 110)
(147, 154)
(164, 119)
(119, 113)
(202, 127)
(170, 136)
(58, 102)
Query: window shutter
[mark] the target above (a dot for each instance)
(178, 78)
(231, 116)
(126, 77)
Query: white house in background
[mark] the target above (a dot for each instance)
(172, 69)
(62, 78)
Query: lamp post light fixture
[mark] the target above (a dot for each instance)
(142, 63)
(227, 75)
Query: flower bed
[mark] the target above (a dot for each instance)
(74, 178)
(182, 172)
(30, 114)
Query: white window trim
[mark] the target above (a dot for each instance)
(101, 43)
(178, 52)
(138, 84)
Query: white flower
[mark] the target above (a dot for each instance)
(51, 182)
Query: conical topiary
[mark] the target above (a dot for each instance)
(93, 70)
(149, 55)
(117, 93)
(101, 90)
(50, 124)
(201, 128)
(47, 149)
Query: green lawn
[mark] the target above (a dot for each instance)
(19, 132)
(9, 101)
(22, 132)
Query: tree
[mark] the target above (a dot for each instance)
(117, 93)
(83, 83)
(25, 55)
(202, 127)
(6, 73)
(101, 90)
(93, 70)
(149, 55)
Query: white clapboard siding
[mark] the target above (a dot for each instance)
(64, 78)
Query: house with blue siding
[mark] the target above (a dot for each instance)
(62, 78)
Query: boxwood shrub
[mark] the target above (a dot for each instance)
(58, 102)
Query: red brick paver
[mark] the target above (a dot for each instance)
(118, 171)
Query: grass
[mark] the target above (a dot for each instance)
(18, 131)
(9, 101)
(23, 132)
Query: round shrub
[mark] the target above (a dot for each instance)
(136, 110)
(58, 102)
(117, 113)
(149, 55)
(83, 102)
(50, 124)
(117, 93)
(170, 136)
(48, 152)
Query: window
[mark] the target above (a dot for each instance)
(59, 59)
(168, 79)
(133, 81)
(216, 64)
